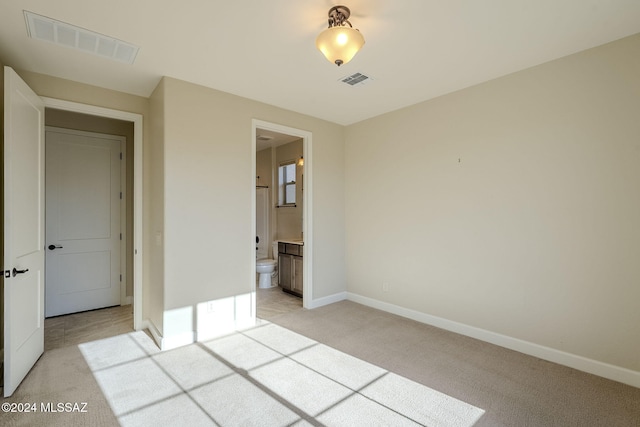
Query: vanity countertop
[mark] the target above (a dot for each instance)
(292, 241)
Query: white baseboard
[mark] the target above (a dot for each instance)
(178, 340)
(605, 370)
(189, 337)
(127, 300)
(157, 336)
(170, 342)
(319, 302)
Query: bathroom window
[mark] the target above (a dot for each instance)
(287, 184)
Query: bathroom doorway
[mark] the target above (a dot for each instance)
(281, 219)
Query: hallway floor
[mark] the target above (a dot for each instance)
(77, 328)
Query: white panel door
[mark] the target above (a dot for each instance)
(82, 221)
(23, 229)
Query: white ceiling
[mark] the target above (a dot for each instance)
(274, 139)
(265, 50)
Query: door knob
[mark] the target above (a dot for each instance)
(52, 247)
(15, 271)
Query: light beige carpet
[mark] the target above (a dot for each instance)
(60, 376)
(511, 388)
(263, 376)
(343, 364)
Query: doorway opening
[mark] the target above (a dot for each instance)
(84, 118)
(281, 219)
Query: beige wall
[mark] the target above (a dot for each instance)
(289, 219)
(207, 141)
(154, 298)
(68, 90)
(512, 206)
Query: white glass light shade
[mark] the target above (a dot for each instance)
(339, 44)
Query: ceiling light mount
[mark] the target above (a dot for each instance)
(340, 42)
(338, 16)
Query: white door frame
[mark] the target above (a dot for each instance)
(307, 205)
(137, 186)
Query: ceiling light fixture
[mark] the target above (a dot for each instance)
(339, 43)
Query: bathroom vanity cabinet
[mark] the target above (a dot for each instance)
(290, 267)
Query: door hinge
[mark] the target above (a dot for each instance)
(120, 236)
(121, 195)
(120, 156)
(121, 277)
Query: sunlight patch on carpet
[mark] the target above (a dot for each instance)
(267, 375)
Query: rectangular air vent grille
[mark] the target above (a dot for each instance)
(58, 32)
(356, 79)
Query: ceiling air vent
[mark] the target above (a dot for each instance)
(48, 29)
(357, 79)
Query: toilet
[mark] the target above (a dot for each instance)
(266, 268)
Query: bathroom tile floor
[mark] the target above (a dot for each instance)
(273, 302)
